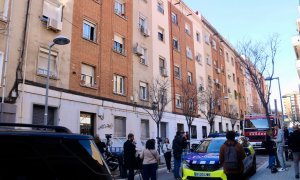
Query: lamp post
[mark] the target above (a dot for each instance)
(270, 79)
(59, 40)
(225, 97)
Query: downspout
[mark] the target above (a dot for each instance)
(23, 59)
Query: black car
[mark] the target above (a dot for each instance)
(48, 152)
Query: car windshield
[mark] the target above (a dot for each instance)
(210, 146)
(256, 123)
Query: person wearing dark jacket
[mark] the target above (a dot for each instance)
(233, 173)
(294, 145)
(129, 156)
(286, 137)
(271, 149)
(178, 145)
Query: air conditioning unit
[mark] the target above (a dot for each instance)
(54, 24)
(217, 81)
(138, 50)
(164, 72)
(145, 31)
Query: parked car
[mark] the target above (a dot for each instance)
(48, 152)
(204, 161)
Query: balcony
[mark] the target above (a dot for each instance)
(298, 67)
(296, 44)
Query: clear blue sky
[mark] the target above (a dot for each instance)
(257, 19)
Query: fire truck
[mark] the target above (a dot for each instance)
(256, 127)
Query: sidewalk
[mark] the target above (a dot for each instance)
(264, 173)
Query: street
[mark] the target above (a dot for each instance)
(261, 158)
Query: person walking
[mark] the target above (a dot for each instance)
(178, 145)
(101, 145)
(280, 145)
(231, 157)
(167, 154)
(129, 156)
(150, 158)
(294, 145)
(286, 137)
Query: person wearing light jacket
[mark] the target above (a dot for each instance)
(280, 141)
(150, 158)
(167, 150)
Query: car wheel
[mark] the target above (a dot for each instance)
(253, 167)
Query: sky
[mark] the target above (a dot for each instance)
(237, 20)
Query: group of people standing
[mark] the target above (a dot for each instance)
(280, 147)
(150, 157)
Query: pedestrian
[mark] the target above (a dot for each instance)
(101, 145)
(167, 150)
(271, 149)
(286, 137)
(231, 157)
(280, 142)
(178, 145)
(294, 145)
(150, 158)
(129, 156)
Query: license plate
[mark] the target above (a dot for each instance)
(201, 174)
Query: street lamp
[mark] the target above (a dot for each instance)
(270, 79)
(59, 40)
(225, 97)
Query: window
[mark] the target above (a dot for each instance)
(220, 127)
(189, 53)
(199, 58)
(163, 129)
(227, 57)
(221, 52)
(120, 126)
(208, 60)
(52, 14)
(87, 75)
(89, 31)
(232, 61)
(188, 29)
(190, 79)
(161, 34)
(204, 131)
(143, 91)
(162, 65)
(119, 44)
(209, 80)
(176, 44)
(145, 129)
(174, 18)
(4, 5)
(160, 7)
(191, 105)
(143, 26)
(119, 84)
(213, 44)
(42, 68)
(143, 57)
(38, 115)
(206, 39)
(194, 132)
(177, 72)
(227, 127)
(198, 37)
(180, 127)
(178, 101)
(233, 77)
(87, 123)
(120, 8)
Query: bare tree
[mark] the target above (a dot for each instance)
(259, 61)
(208, 107)
(189, 104)
(158, 100)
(233, 116)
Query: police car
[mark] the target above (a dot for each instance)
(204, 161)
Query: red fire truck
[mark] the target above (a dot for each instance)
(256, 127)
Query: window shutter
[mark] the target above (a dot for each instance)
(118, 39)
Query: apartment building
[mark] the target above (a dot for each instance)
(291, 104)
(99, 83)
(296, 45)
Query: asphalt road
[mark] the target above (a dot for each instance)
(163, 175)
